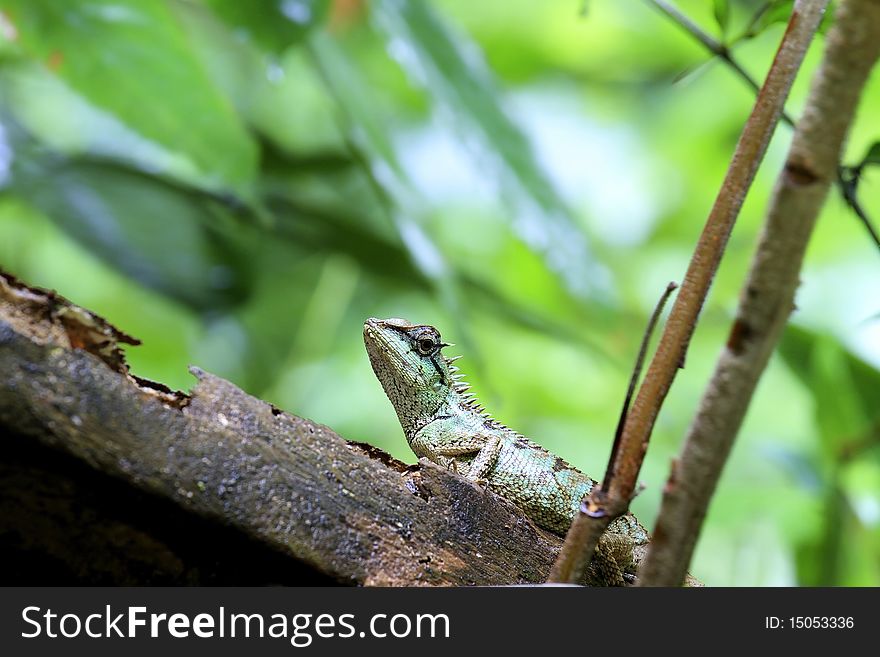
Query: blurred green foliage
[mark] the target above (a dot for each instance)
(241, 184)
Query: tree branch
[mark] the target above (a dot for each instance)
(602, 505)
(767, 299)
(344, 509)
(572, 559)
(715, 47)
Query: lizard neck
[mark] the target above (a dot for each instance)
(413, 423)
(462, 409)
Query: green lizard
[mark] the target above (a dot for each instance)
(444, 423)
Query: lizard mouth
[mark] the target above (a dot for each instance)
(384, 350)
(375, 336)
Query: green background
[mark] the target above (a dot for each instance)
(241, 184)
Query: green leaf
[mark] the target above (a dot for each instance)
(450, 69)
(370, 143)
(769, 13)
(180, 243)
(779, 11)
(322, 229)
(274, 24)
(872, 157)
(64, 121)
(721, 11)
(134, 63)
(356, 104)
(8, 37)
(845, 388)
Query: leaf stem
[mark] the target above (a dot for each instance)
(722, 51)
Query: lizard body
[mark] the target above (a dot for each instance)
(445, 424)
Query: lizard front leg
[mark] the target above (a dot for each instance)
(485, 460)
(443, 440)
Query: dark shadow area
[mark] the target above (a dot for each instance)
(64, 523)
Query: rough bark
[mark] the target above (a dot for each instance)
(227, 469)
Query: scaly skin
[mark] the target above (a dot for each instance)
(446, 425)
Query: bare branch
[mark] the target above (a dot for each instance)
(572, 558)
(602, 506)
(723, 52)
(853, 45)
(715, 47)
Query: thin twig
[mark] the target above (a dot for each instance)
(572, 558)
(848, 189)
(634, 379)
(715, 47)
(852, 47)
(601, 506)
(723, 52)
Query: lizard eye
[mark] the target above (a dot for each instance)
(426, 345)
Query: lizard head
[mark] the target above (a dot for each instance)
(408, 362)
